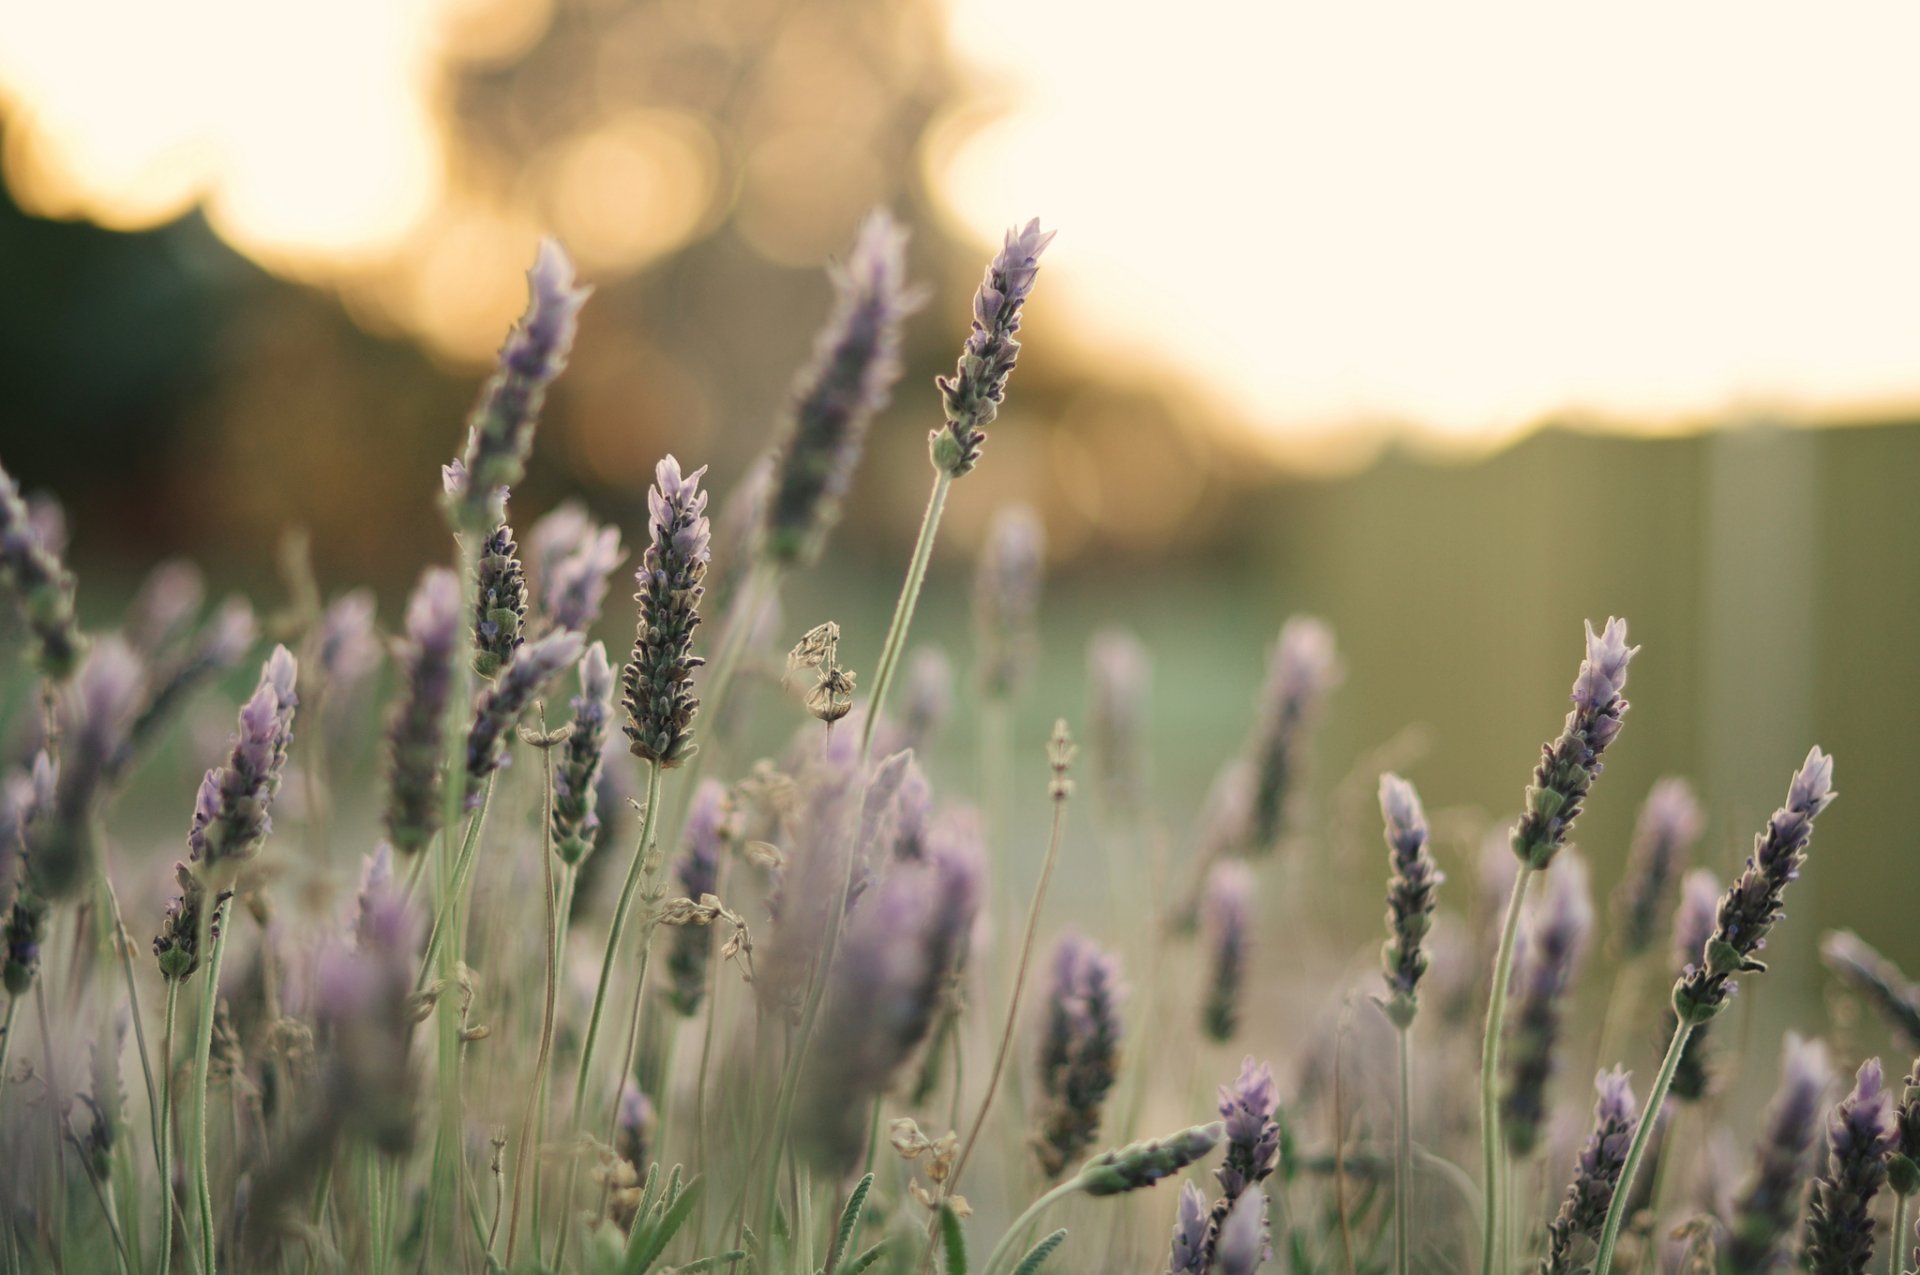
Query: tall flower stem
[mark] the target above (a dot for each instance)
(202, 1053)
(1006, 1247)
(1490, 1071)
(896, 642)
(1403, 1157)
(1637, 1149)
(446, 916)
(163, 1145)
(635, 870)
(551, 998)
(6, 1043)
(1895, 1241)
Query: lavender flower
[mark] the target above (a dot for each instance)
(1191, 1226)
(1768, 1204)
(164, 609)
(232, 814)
(221, 644)
(416, 733)
(1839, 1239)
(500, 705)
(814, 835)
(1411, 891)
(659, 697)
(500, 430)
(500, 610)
(22, 797)
(32, 566)
(1693, 923)
(1120, 682)
(1226, 911)
(1303, 669)
(347, 643)
(1243, 1246)
(1569, 764)
(912, 811)
(971, 397)
(1006, 597)
(61, 837)
(364, 1010)
(576, 774)
(1573, 1237)
(856, 360)
(1670, 824)
(634, 1124)
(1903, 1163)
(573, 591)
(1144, 1164)
(1544, 970)
(1079, 1052)
(1753, 903)
(1248, 1107)
(697, 872)
(177, 946)
(1875, 979)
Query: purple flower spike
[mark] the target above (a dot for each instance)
(1693, 923)
(1243, 1246)
(856, 360)
(1248, 1107)
(231, 814)
(500, 430)
(1303, 669)
(696, 872)
(500, 705)
(576, 776)
(1573, 1237)
(1768, 1203)
(1839, 1238)
(95, 723)
(1569, 764)
(1876, 980)
(1226, 915)
(1191, 1225)
(658, 680)
(972, 396)
(417, 729)
(1544, 971)
(1670, 824)
(1411, 897)
(1079, 1052)
(30, 563)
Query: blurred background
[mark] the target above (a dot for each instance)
(1456, 326)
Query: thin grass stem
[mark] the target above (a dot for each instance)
(1490, 1072)
(202, 1054)
(1637, 1149)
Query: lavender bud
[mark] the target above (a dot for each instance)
(32, 565)
(164, 609)
(500, 610)
(512, 693)
(1243, 1246)
(971, 397)
(177, 946)
(1569, 764)
(416, 732)
(658, 680)
(633, 1128)
(1226, 912)
(1303, 669)
(1839, 1237)
(1248, 1107)
(231, 815)
(697, 872)
(1191, 1226)
(1670, 824)
(218, 647)
(22, 798)
(1768, 1204)
(1411, 897)
(61, 837)
(1079, 1052)
(1752, 905)
(856, 360)
(1573, 1237)
(500, 430)
(576, 773)
(1120, 683)
(1876, 980)
(1144, 1164)
(1006, 597)
(1693, 923)
(1544, 970)
(1903, 1164)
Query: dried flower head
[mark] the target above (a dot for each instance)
(971, 397)
(1876, 980)
(1544, 970)
(1752, 905)
(512, 693)
(1303, 669)
(500, 611)
(1573, 1237)
(500, 430)
(815, 674)
(1006, 600)
(417, 729)
(1569, 764)
(1079, 1052)
(1768, 1203)
(32, 566)
(1839, 1236)
(1412, 888)
(658, 680)
(1670, 824)
(856, 360)
(1226, 916)
(576, 771)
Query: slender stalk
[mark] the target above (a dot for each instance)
(113, 1221)
(1642, 1134)
(547, 1013)
(896, 642)
(6, 1043)
(446, 914)
(635, 870)
(1894, 1241)
(1403, 1160)
(1008, 1242)
(1490, 1071)
(123, 946)
(203, 1050)
(163, 1141)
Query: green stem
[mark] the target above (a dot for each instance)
(1006, 1246)
(163, 1139)
(896, 642)
(1490, 1070)
(1894, 1243)
(547, 1013)
(635, 870)
(123, 945)
(446, 913)
(202, 1054)
(6, 1044)
(1403, 1161)
(1642, 1134)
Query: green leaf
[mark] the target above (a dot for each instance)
(649, 1242)
(868, 1258)
(849, 1223)
(954, 1240)
(708, 1263)
(1037, 1255)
